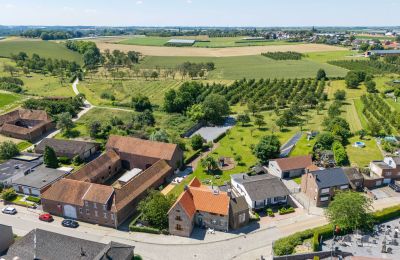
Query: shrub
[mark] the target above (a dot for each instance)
(8, 150)
(270, 213)
(197, 142)
(254, 216)
(144, 230)
(77, 160)
(8, 194)
(192, 157)
(33, 199)
(64, 160)
(284, 210)
(216, 140)
(315, 242)
(386, 214)
(340, 154)
(107, 95)
(288, 55)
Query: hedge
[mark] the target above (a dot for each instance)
(284, 210)
(216, 140)
(144, 229)
(315, 242)
(386, 214)
(64, 160)
(33, 199)
(192, 156)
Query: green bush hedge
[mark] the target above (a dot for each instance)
(64, 160)
(315, 242)
(387, 214)
(270, 213)
(284, 210)
(33, 199)
(144, 230)
(216, 140)
(192, 156)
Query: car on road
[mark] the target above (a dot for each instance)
(395, 187)
(46, 217)
(70, 223)
(9, 210)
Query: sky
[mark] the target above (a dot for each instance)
(261, 13)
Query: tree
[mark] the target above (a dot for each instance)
(94, 128)
(321, 74)
(140, 103)
(215, 107)
(243, 119)
(64, 122)
(209, 163)
(340, 154)
(154, 74)
(350, 211)
(340, 95)
(155, 207)
(268, 148)
(50, 158)
(159, 136)
(145, 118)
(334, 109)
(8, 194)
(8, 150)
(371, 86)
(398, 38)
(197, 142)
(354, 78)
(361, 133)
(10, 69)
(196, 112)
(324, 141)
(253, 107)
(259, 121)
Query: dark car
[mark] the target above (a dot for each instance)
(395, 187)
(70, 223)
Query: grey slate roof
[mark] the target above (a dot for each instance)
(261, 187)
(330, 178)
(51, 245)
(40, 177)
(352, 173)
(238, 204)
(14, 169)
(65, 146)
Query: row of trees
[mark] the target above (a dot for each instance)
(51, 34)
(11, 84)
(368, 66)
(55, 107)
(91, 54)
(288, 55)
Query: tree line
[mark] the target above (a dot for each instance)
(288, 55)
(51, 34)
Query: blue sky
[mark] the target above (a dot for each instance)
(201, 12)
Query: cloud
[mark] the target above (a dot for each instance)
(139, 2)
(90, 11)
(67, 8)
(9, 6)
(189, 1)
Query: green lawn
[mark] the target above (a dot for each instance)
(8, 100)
(124, 90)
(373, 37)
(361, 157)
(44, 49)
(324, 57)
(256, 66)
(203, 41)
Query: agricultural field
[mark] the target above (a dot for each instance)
(44, 49)
(257, 67)
(8, 101)
(39, 84)
(375, 37)
(203, 41)
(125, 90)
(324, 57)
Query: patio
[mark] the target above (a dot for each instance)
(383, 242)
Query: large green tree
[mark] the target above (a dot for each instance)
(268, 148)
(8, 150)
(350, 210)
(50, 158)
(64, 122)
(215, 107)
(154, 209)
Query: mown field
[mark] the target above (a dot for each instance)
(203, 41)
(44, 49)
(8, 100)
(126, 89)
(249, 67)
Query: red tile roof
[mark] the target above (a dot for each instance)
(142, 147)
(67, 191)
(293, 163)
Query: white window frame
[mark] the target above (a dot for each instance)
(105, 215)
(96, 214)
(324, 198)
(343, 187)
(94, 205)
(325, 191)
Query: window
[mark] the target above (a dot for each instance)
(112, 216)
(280, 198)
(86, 204)
(87, 211)
(343, 187)
(178, 218)
(80, 210)
(104, 207)
(95, 205)
(105, 215)
(324, 198)
(96, 213)
(178, 227)
(323, 191)
(242, 218)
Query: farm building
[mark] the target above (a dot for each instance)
(383, 53)
(68, 148)
(180, 42)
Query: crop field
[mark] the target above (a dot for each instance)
(324, 57)
(44, 49)
(147, 50)
(232, 68)
(124, 90)
(203, 41)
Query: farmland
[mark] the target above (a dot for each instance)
(8, 101)
(249, 67)
(44, 49)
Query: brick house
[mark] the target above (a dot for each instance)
(320, 186)
(68, 148)
(289, 167)
(26, 124)
(356, 179)
(388, 169)
(198, 205)
(239, 214)
(94, 194)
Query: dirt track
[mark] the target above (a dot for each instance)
(215, 52)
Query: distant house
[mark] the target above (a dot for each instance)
(382, 53)
(198, 205)
(320, 186)
(388, 169)
(26, 124)
(38, 180)
(180, 42)
(6, 238)
(68, 148)
(42, 244)
(260, 190)
(289, 167)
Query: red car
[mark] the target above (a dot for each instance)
(46, 217)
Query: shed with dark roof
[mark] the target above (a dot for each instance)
(68, 148)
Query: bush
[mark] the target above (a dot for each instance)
(33, 199)
(107, 95)
(386, 214)
(254, 216)
(284, 210)
(315, 242)
(8, 150)
(216, 140)
(144, 230)
(8, 194)
(340, 154)
(197, 142)
(192, 157)
(64, 160)
(77, 160)
(270, 213)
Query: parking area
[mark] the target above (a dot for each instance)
(384, 192)
(210, 133)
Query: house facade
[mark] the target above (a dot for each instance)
(239, 214)
(6, 238)
(289, 167)
(321, 186)
(198, 205)
(260, 191)
(388, 169)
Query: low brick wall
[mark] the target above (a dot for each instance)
(321, 254)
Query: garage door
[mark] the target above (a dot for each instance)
(70, 211)
(26, 190)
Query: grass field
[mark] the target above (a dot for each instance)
(324, 57)
(373, 37)
(250, 67)
(44, 49)
(124, 90)
(203, 41)
(8, 100)
(361, 157)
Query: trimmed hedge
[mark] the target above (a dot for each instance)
(270, 213)
(33, 199)
(64, 160)
(144, 230)
(192, 156)
(216, 140)
(284, 210)
(387, 214)
(315, 242)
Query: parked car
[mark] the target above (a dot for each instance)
(394, 187)
(46, 217)
(70, 223)
(9, 210)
